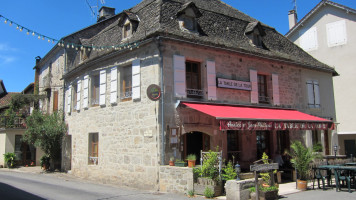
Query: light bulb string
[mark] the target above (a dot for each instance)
(64, 44)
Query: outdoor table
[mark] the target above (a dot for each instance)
(351, 164)
(350, 172)
(329, 169)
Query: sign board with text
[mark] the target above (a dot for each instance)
(233, 84)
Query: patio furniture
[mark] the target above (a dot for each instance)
(341, 175)
(319, 176)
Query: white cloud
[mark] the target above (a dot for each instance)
(6, 59)
(5, 47)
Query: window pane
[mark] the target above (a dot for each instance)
(95, 90)
(126, 83)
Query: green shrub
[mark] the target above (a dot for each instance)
(44, 161)
(210, 166)
(10, 159)
(252, 189)
(208, 193)
(191, 157)
(270, 188)
(229, 172)
(190, 193)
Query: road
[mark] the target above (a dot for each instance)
(24, 186)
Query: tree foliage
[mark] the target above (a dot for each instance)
(46, 132)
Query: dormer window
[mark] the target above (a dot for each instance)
(255, 32)
(127, 30)
(187, 17)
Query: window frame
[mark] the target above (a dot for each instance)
(94, 91)
(262, 98)
(124, 89)
(74, 96)
(93, 148)
(195, 90)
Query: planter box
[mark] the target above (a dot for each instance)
(202, 183)
(270, 195)
(180, 164)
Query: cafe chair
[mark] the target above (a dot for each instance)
(339, 176)
(319, 176)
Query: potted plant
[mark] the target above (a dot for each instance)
(171, 161)
(180, 163)
(191, 160)
(208, 175)
(10, 159)
(301, 158)
(44, 162)
(268, 190)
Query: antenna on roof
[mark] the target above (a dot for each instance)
(294, 2)
(95, 13)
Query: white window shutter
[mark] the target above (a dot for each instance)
(309, 39)
(86, 92)
(136, 79)
(211, 74)
(179, 76)
(275, 88)
(254, 86)
(336, 33)
(69, 98)
(102, 87)
(113, 86)
(79, 87)
(316, 94)
(310, 89)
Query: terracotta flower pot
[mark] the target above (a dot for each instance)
(191, 163)
(171, 163)
(302, 185)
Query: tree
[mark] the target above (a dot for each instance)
(46, 132)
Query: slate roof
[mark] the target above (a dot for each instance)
(315, 9)
(220, 25)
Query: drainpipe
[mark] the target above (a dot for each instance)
(162, 102)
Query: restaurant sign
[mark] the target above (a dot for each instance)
(233, 84)
(258, 125)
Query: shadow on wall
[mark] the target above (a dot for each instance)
(9, 192)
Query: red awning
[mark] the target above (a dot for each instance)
(256, 118)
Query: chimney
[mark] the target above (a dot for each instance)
(105, 13)
(292, 18)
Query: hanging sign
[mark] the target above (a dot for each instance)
(258, 125)
(233, 84)
(154, 92)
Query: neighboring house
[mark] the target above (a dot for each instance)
(327, 33)
(172, 78)
(11, 130)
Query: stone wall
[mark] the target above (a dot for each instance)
(175, 179)
(239, 190)
(128, 131)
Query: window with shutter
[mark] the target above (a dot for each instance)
(126, 83)
(308, 39)
(79, 87)
(136, 79)
(69, 98)
(113, 86)
(211, 75)
(193, 79)
(102, 89)
(74, 96)
(86, 92)
(336, 33)
(262, 89)
(95, 90)
(179, 76)
(313, 94)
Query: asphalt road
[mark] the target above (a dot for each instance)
(25, 186)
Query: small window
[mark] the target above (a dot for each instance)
(127, 30)
(95, 90)
(93, 147)
(126, 83)
(262, 89)
(193, 79)
(84, 54)
(189, 23)
(336, 33)
(74, 97)
(313, 94)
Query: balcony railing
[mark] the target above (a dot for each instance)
(195, 93)
(263, 99)
(12, 122)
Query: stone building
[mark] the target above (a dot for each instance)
(173, 77)
(328, 29)
(12, 129)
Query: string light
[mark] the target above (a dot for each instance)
(64, 44)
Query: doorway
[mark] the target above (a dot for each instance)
(263, 138)
(350, 148)
(194, 142)
(25, 153)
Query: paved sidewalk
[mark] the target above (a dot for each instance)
(284, 189)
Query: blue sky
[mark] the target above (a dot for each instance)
(57, 19)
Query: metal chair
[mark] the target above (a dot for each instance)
(339, 176)
(319, 176)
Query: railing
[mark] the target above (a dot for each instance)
(195, 93)
(126, 95)
(93, 160)
(12, 122)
